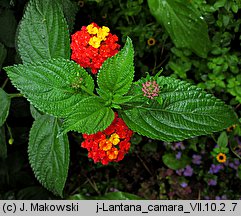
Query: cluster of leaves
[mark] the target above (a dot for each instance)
(215, 180)
(133, 19)
(153, 171)
(68, 100)
(219, 71)
(207, 28)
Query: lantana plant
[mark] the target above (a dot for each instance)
(93, 92)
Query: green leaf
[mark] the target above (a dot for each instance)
(184, 24)
(170, 161)
(3, 54)
(186, 111)
(34, 112)
(222, 140)
(43, 32)
(3, 144)
(53, 86)
(109, 196)
(235, 7)
(116, 73)
(70, 10)
(89, 116)
(220, 3)
(49, 155)
(8, 27)
(4, 106)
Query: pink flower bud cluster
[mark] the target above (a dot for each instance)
(150, 89)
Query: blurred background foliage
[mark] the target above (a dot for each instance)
(151, 169)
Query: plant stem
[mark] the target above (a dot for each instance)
(15, 95)
(87, 91)
(5, 83)
(213, 138)
(93, 185)
(233, 150)
(9, 131)
(143, 163)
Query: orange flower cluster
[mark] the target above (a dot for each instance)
(92, 45)
(109, 145)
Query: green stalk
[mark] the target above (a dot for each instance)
(15, 95)
(87, 91)
(5, 83)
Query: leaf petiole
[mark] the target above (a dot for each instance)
(5, 83)
(87, 91)
(15, 95)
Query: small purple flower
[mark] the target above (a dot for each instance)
(178, 155)
(179, 171)
(183, 184)
(150, 89)
(231, 165)
(238, 141)
(178, 145)
(188, 171)
(212, 182)
(196, 159)
(223, 197)
(235, 164)
(215, 168)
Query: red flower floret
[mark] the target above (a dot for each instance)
(109, 145)
(92, 45)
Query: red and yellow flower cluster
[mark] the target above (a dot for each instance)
(110, 145)
(92, 45)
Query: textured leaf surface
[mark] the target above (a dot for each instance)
(186, 111)
(116, 73)
(4, 106)
(49, 155)
(90, 116)
(51, 85)
(34, 112)
(184, 24)
(43, 32)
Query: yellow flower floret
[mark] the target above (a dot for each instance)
(95, 42)
(105, 145)
(91, 29)
(103, 33)
(99, 35)
(114, 138)
(112, 154)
